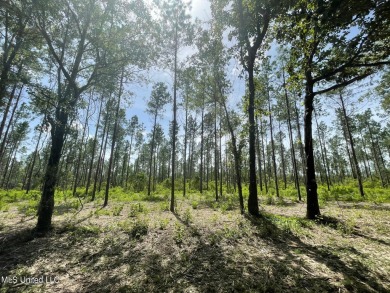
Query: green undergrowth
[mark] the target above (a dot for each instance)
(65, 202)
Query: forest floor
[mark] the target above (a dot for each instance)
(139, 246)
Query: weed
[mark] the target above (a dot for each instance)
(163, 224)
(214, 238)
(214, 218)
(102, 212)
(347, 226)
(194, 204)
(184, 257)
(139, 229)
(227, 205)
(117, 210)
(78, 232)
(164, 206)
(125, 226)
(230, 233)
(29, 208)
(4, 207)
(137, 208)
(194, 231)
(280, 201)
(179, 233)
(270, 200)
(187, 217)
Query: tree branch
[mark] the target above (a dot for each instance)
(343, 84)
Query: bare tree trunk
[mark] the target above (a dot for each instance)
(259, 155)
(237, 160)
(201, 150)
(4, 141)
(294, 161)
(100, 158)
(31, 169)
(301, 147)
(313, 209)
(151, 153)
(322, 151)
(272, 143)
(185, 149)
(93, 149)
(172, 205)
(357, 168)
(6, 110)
(80, 155)
(282, 157)
(264, 160)
(215, 150)
(114, 137)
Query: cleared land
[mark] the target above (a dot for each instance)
(138, 246)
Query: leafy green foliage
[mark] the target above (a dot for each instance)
(139, 229)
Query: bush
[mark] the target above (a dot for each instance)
(117, 210)
(194, 204)
(187, 217)
(139, 229)
(136, 209)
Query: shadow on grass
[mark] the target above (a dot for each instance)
(365, 206)
(125, 264)
(356, 274)
(19, 247)
(338, 224)
(379, 241)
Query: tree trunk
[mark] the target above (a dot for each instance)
(357, 168)
(100, 158)
(4, 141)
(201, 149)
(114, 137)
(6, 110)
(79, 158)
(282, 157)
(294, 161)
(185, 149)
(31, 169)
(220, 157)
(172, 205)
(301, 147)
(237, 160)
(215, 150)
(272, 143)
(151, 153)
(46, 205)
(253, 202)
(322, 152)
(259, 155)
(264, 160)
(313, 208)
(93, 149)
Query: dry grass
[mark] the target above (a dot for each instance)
(140, 247)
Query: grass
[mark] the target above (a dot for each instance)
(136, 245)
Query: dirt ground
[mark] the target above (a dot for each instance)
(141, 247)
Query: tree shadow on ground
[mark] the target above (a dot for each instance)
(18, 248)
(127, 264)
(379, 241)
(357, 275)
(364, 206)
(335, 223)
